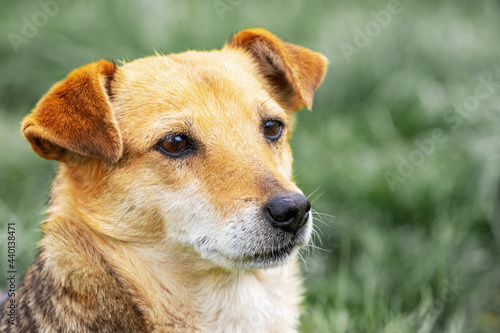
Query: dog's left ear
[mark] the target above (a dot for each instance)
(292, 71)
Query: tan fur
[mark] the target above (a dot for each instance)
(174, 236)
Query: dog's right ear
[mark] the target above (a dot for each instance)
(293, 72)
(76, 115)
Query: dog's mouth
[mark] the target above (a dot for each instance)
(262, 258)
(278, 253)
(266, 258)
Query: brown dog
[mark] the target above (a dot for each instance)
(173, 208)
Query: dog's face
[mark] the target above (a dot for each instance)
(209, 148)
(188, 150)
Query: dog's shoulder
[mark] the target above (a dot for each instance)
(73, 289)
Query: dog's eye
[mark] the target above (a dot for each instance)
(175, 146)
(273, 129)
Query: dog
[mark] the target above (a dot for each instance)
(173, 208)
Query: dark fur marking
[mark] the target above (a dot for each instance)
(108, 81)
(110, 309)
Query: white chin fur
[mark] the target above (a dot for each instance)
(252, 243)
(245, 241)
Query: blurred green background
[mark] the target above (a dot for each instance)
(401, 154)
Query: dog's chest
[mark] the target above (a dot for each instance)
(251, 305)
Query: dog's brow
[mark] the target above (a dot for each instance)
(165, 126)
(269, 108)
(174, 105)
(274, 94)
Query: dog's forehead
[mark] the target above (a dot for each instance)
(190, 73)
(169, 93)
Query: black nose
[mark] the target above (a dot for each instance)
(288, 211)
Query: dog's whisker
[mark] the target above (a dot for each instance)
(315, 239)
(321, 221)
(310, 250)
(318, 236)
(158, 53)
(174, 105)
(121, 218)
(301, 258)
(319, 196)
(317, 217)
(273, 89)
(319, 248)
(319, 232)
(323, 214)
(273, 95)
(312, 193)
(163, 244)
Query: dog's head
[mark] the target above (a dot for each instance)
(188, 150)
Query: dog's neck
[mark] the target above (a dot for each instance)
(229, 301)
(251, 302)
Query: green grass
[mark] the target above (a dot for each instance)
(420, 256)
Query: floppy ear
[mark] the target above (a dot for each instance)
(295, 71)
(76, 115)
